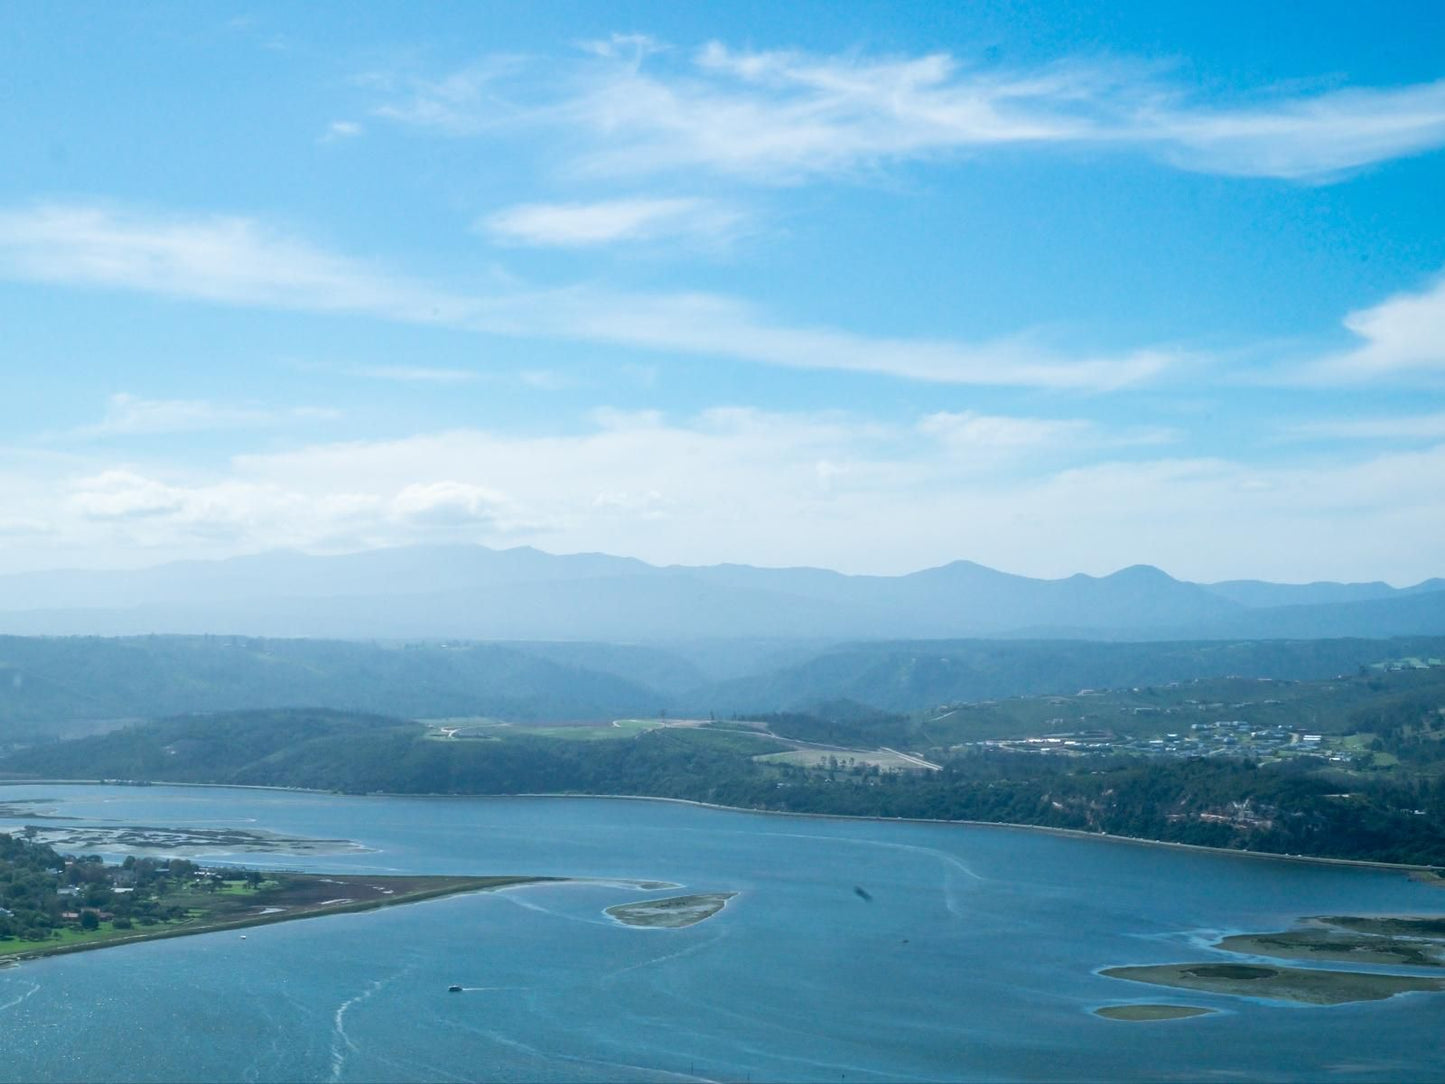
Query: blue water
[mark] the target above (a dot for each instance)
(975, 959)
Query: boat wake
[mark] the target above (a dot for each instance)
(529, 906)
(34, 988)
(342, 1046)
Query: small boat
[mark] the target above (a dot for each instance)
(454, 989)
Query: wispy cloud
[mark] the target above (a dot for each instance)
(130, 416)
(719, 326)
(546, 379)
(1402, 427)
(464, 102)
(238, 261)
(1311, 138)
(339, 130)
(577, 225)
(785, 116)
(209, 258)
(1403, 335)
(971, 432)
(415, 374)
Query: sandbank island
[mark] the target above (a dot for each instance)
(672, 913)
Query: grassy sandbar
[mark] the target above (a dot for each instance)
(1308, 987)
(1151, 1012)
(1369, 939)
(1334, 947)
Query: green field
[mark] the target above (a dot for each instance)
(622, 728)
(496, 730)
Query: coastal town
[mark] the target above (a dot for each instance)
(1220, 738)
(1179, 720)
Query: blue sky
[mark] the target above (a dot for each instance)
(872, 287)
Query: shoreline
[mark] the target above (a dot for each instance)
(41, 950)
(1069, 833)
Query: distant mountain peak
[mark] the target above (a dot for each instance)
(1141, 573)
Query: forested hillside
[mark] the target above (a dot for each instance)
(1374, 789)
(51, 687)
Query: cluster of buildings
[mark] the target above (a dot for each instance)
(1223, 737)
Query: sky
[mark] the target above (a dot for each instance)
(867, 286)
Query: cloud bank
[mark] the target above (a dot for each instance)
(1016, 492)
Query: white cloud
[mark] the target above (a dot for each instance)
(448, 504)
(1403, 335)
(130, 415)
(781, 116)
(129, 511)
(238, 261)
(577, 225)
(119, 494)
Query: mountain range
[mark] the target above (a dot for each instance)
(476, 593)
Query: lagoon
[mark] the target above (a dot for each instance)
(972, 953)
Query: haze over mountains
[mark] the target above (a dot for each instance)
(52, 687)
(471, 592)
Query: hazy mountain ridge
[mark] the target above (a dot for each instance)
(52, 687)
(46, 684)
(911, 675)
(471, 592)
